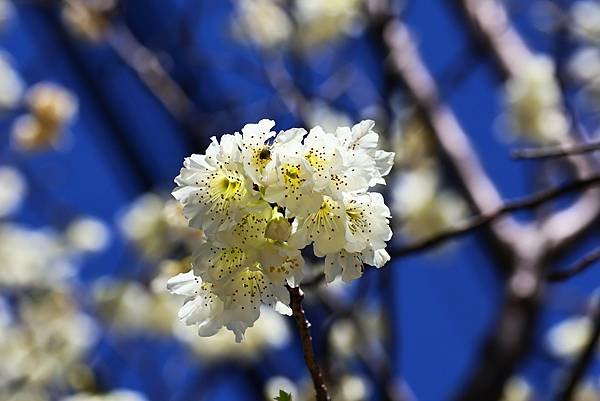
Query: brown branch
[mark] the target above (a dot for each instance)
(296, 298)
(527, 202)
(490, 22)
(580, 266)
(407, 66)
(556, 151)
(150, 71)
(581, 364)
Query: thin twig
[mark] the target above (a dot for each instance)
(527, 202)
(556, 151)
(581, 364)
(151, 72)
(296, 298)
(581, 265)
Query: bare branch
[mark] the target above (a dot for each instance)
(296, 298)
(556, 151)
(150, 71)
(581, 265)
(528, 202)
(489, 18)
(453, 141)
(581, 364)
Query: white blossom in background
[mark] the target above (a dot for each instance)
(12, 190)
(45, 345)
(347, 387)
(320, 21)
(587, 391)
(585, 17)
(268, 333)
(270, 23)
(568, 338)
(156, 226)
(265, 22)
(422, 207)
(260, 198)
(130, 307)
(517, 389)
(534, 102)
(11, 84)
(88, 234)
(115, 395)
(49, 265)
(322, 114)
(585, 65)
(52, 108)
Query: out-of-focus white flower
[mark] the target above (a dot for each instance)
(423, 208)
(260, 198)
(584, 66)
(567, 338)
(265, 22)
(353, 388)
(269, 332)
(51, 103)
(587, 391)
(32, 257)
(11, 84)
(88, 235)
(130, 307)
(157, 226)
(48, 342)
(320, 21)
(517, 389)
(88, 19)
(322, 114)
(586, 18)
(115, 395)
(534, 102)
(12, 190)
(51, 108)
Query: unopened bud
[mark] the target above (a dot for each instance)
(278, 228)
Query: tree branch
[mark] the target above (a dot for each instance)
(581, 364)
(581, 265)
(556, 151)
(296, 298)
(406, 64)
(490, 20)
(527, 202)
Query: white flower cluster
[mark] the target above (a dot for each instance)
(260, 198)
(534, 102)
(270, 23)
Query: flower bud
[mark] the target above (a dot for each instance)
(278, 228)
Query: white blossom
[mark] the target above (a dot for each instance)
(12, 190)
(11, 84)
(567, 338)
(260, 198)
(534, 102)
(586, 18)
(88, 234)
(114, 395)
